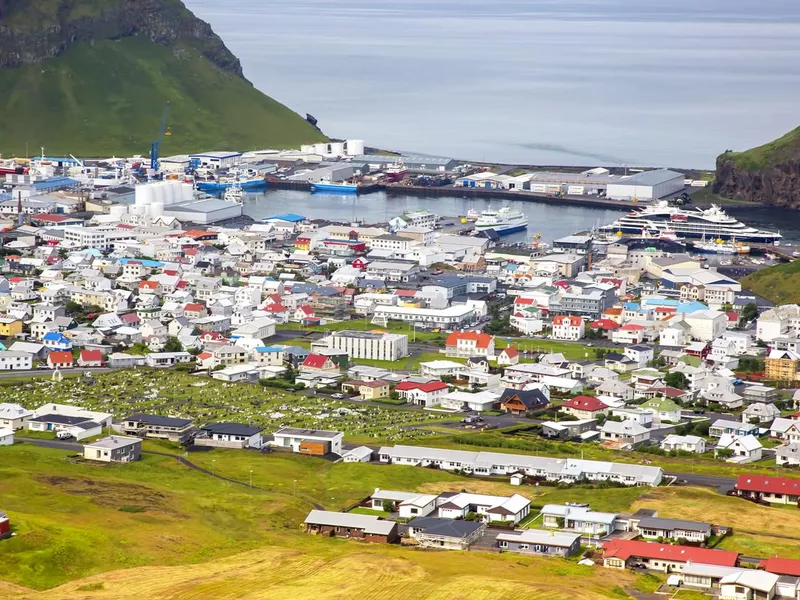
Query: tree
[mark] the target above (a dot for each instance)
(749, 312)
(173, 345)
(676, 379)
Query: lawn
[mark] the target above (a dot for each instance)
(96, 526)
(176, 394)
(360, 510)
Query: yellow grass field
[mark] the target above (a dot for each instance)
(347, 570)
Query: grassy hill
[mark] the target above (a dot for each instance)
(780, 284)
(785, 148)
(107, 97)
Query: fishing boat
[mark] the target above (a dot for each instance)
(336, 188)
(720, 246)
(235, 193)
(223, 183)
(504, 221)
(473, 215)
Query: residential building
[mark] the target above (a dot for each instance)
(782, 365)
(567, 430)
(760, 412)
(508, 356)
(114, 448)
(788, 455)
(167, 359)
(651, 528)
(14, 416)
(366, 528)
(769, 488)
(744, 448)
(722, 427)
(315, 442)
(318, 363)
(685, 443)
(229, 435)
(446, 534)
(566, 327)
(367, 390)
(371, 345)
(158, 427)
(584, 407)
(520, 402)
(579, 518)
(627, 434)
(15, 361)
(663, 409)
(465, 344)
(668, 558)
(423, 394)
(486, 508)
(536, 541)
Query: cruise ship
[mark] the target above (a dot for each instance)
(503, 221)
(712, 222)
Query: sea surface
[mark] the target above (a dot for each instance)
(550, 220)
(560, 82)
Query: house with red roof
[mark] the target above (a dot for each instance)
(60, 359)
(205, 360)
(318, 363)
(584, 407)
(567, 327)
(423, 394)
(668, 558)
(629, 334)
(508, 356)
(775, 490)
(278, 312)
(194, 310)
(304, 314)
(360, 263)
(733, 319)
(613, 313)
(789, 567)
(606, 327)
(150, 287)
(465, 344)
(91, 358)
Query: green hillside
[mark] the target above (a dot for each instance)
(780, 284)
(786, 148)
(107, 97)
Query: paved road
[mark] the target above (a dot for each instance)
(49, 372)
(721, 484)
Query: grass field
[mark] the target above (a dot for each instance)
(780, 284)
(205, 400)
(108, 97)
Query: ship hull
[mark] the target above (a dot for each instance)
(218, 186)
(337, 189)
(765, 238)
(503, 229)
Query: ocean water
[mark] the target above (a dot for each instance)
(565, 82)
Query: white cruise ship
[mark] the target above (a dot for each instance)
(504, 221)
(712, 222)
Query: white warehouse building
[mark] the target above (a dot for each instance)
(371, 345)
(647, 185)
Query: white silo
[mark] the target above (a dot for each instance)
(144, 194)
(117, 211)
(307, 149)
(321, 149)
(337, 148)
(187, 192)
(156, 210)
(159, 192)
(354, 147)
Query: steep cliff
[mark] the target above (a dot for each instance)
(91, 77)
(768, 174)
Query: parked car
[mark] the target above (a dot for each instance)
(337, 396)
(63, 435)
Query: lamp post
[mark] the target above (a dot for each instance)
(251, 477)
(294, 487)
(213, 461)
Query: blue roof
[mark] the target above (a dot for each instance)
(153, 264)
(511, 267)
(690, 307)
(264, 349)
(58, 159)
(55, 336)
(52, 183)
(631, 306)
(291, 217)
(661, 302)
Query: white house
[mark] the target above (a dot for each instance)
(6, 437)
(707, 325)
(567, 327)
(625, 434)
(760, 412)
(640, 354)
(15, 361)
(788, 455)
(746, 448)
(295, 438)
(423, 394)
(14, 416)
(686, 443)
(488, 508)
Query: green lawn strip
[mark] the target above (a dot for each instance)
(360, 510)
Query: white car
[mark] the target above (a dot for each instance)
(337, 396)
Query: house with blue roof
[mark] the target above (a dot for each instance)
(269, 355)
(55, 340)
(288, 217)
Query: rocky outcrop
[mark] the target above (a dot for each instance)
(30, 38)
(774, 185)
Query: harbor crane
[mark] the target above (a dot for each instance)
(154, 146)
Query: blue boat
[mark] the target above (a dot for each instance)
(221, 186)
(336, 188)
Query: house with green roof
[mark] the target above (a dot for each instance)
(663, 408)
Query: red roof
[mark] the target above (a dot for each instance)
(589, 403)
(604, 324)
(625, 549)
(181, 284)
(204, 355)
(315, 361)
(431, 386)
(306, 309)
(275, 308)
(276, 298)
(91, 356)
(666, 310)
(733, 316)
(149, 285)
(567, 320)
(668, 391)
(170, 272)
(190, 251)
(614, 310)
(193, 307)
(124, 226)
(768, 484)
(51, 218)
(60, 357)
(482, 340)
(519, 300)
(405, 293)
(781, 566)
(632, 327)
(510, 352)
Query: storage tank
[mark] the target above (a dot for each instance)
(187, 192)
(337, 148)
(355, 147)
(321, 149)
(144, 194)
(307, 149)
(117, 211)
(156, 210)
(158, 193)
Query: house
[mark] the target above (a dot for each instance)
(567, 430)
(352, 526)
(441, 368)
(567, 327)
(651, 528)
(464, 344)
(640, 354)
(684, 443)
(60, 360)
(487, 508)
(584, 407)
(57, 341)
(114, 448)
(407, 504)
(167, 359)
(579, 518)
(229, 435)
(314, 442)
(158, 427)
(359, 454)
(120, 360)
(5, 525)
(788, 455)
(368, 390)
(789, 567)
(750, 584)
(668, 558)
(775, 490)
(77, 422)
(478, 401)
(520, 402)
(508, 356)
(627, 434)
(760, 412)
(6, 437)
(536, 541)
(629, 334)
(15, 361)
(782, 365)
(90, 358)
(318, 363)
(744, 448)
(664, 410)
(14, 416)
(423, 394)
(446, 534)
(721, 427)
